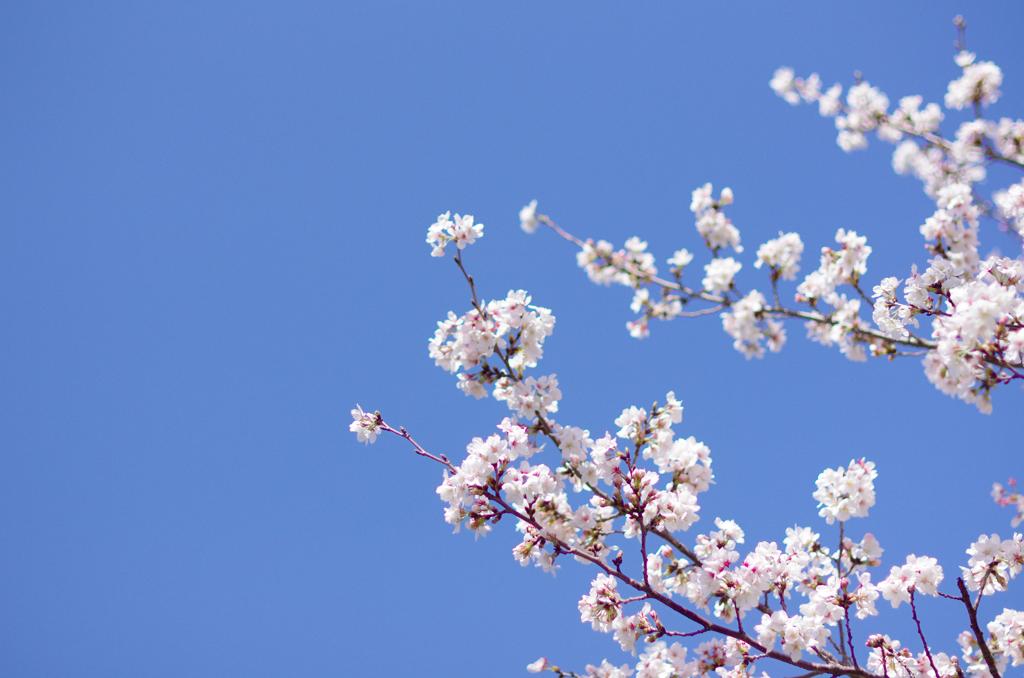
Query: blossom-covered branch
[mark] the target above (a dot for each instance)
(973, 305)
(620, 503)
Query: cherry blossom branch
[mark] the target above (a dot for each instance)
(723, 302)
(849, 634)
(979, 636)
(469, 281)
(493, 494)
(912, 341)
(705, 624)
(688, 634)
(992, 155)
(487, 486)
(660, 282)
(937, 140)
(631, 500)
(416, 447)
(542, 424)
(920, 632)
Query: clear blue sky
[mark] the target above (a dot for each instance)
(212, 246)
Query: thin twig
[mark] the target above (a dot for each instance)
(920, 632)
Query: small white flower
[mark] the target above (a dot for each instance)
(528, 217)
(366, 425)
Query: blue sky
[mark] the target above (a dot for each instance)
(212, 246)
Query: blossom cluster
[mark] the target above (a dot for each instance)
(974, 303)
(751, 330)
(491, 344)
(845, 493)
(621, 502)
(605, 265)
(713, 225)
(781, 255)
(1010, 202)
(993, 563)
(1006, 630)
(817, 589)
(918, 574)
(459, 229)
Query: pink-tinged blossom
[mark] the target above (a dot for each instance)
(1011, 205)
(964, 366)
(865, 110)
(712, 223)
(1007, 631)
(797, 634)
(459, 229)
(528, 396)
(1009, 496)
(912, 118)
(632, 423)
(750, 330)
(600, 606)
(628, 630)
(845, 493)
(849, 262)
(979, 83)
(864, 596)
(366, 425)
(661, 660)
(537, 666)
(719, 273)
(605, 265)
(608, 670)
(890, 316)
(993, 563)
(475, 345)
(865, 552)
(920, 574)
(781, 255)
(605, 457)
(887, 657)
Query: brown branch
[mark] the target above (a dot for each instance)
(849, 636)
(416, 447)
(920, 632)
(972, 614)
